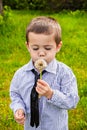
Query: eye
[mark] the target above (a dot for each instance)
(36, 48)
(48, 48)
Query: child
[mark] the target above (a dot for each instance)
(57, 88)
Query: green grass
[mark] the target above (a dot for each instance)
(13, 54)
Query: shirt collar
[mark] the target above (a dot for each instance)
(29, 66)
(52, 66)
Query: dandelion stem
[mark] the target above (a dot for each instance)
(40, 75)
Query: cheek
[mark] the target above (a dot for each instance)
(33, 55)
(52, 53)
(51, 56)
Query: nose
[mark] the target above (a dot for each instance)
(41, 54)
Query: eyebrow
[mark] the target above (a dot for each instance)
(34, 45)
(47, 45)
(43, 45)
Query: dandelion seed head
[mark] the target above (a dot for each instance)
(40, 64)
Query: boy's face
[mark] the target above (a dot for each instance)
(42, 46)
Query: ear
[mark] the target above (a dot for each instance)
(27, 45)
(59, 46)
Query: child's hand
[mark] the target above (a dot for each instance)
(19, 116)
(44, 89)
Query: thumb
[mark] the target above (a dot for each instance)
(20, 112)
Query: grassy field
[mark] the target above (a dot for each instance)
(13, 54)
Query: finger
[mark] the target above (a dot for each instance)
(42, 82)
(42, 87)
(40, 90)
(19, 113)
(19, 118)
(20, 121)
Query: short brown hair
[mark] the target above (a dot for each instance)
(44, 25)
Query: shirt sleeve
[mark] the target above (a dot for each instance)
(17, 102)
(67, 97)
